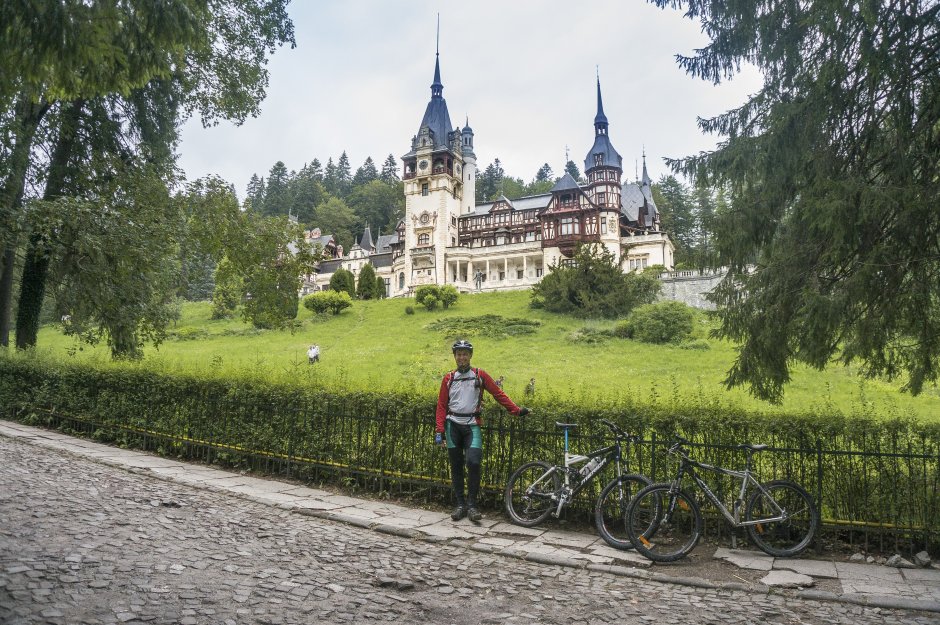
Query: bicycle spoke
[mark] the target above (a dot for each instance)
(789, 535)
(663, 526)
(611, 507)
(529, 496)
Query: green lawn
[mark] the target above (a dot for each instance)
(377, 345)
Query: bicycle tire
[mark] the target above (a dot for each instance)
(532, 493)
(788, 537)
(611, 508)
(663, 525)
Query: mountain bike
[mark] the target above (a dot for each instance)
(538, 489)
(664, 522)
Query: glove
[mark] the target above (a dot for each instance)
(438, 439)
(523, 411)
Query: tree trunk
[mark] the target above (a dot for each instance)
(28, 115)
(36, 264)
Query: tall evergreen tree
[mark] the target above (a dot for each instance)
(544, 173)
(365, 289)
(254, 193)
(316, 170)
(572, 168)
(390, 170)
(831, 170)
(331, 178)
(343, 175)
(365, 174)
(277, 192)
(678, 215)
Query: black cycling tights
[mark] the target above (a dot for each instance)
(464, 453)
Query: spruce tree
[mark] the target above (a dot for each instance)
(365, 289)
(830, 227)
(390, 170)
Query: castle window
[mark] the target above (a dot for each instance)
(538, 272)
(566, 198)
(599, 159)
(401, 281)
(424, 189)
(424, 239)
(569, 225)
(602, 198)
(519, 274)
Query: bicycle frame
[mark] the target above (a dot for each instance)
(746, 477)
(687, 466)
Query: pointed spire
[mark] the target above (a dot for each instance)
(437, 88)
(600, 118)
(646, 176)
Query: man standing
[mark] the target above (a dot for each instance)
(458, 426)
(313, 354)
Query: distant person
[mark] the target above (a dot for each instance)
(313, 354)
(458, 426)
(530, 388)
(499, 381)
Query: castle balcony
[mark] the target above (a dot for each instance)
(420, 252)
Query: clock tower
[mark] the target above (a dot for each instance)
(439, 179)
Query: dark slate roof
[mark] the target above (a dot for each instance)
(565, 183)
(524, 203)
(632, 197)
(436, 117)
(366, 241)
(330, 266)
(602, 144)
(381, 260)
(384, 243)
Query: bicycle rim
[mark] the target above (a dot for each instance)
(611, 509)
(791, 535)
(663, 526)
(529, 494)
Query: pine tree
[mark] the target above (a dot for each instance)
(572, 168)
(544, 173)
(831, 176)
(316, 170)
(254, 194)
(330, 178)
(277, 193)
(366, 287)
(343, 175)
(390, 170)
(365, 174)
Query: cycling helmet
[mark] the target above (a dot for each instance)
(462, 344)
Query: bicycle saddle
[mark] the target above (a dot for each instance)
(750, 447)
(565, 426)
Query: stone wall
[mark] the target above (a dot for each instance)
(691, 286)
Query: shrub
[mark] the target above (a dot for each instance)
(428, 296)
(366, 287)
(594, 286)
(318, 303)
(343, 280)
(663, 322)
(332, 301)
(409, 310)
(448, 295)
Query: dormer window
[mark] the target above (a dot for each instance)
(599, 159)
(566, 198)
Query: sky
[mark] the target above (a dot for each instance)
(524, 74)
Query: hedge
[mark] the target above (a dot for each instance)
(875, 480)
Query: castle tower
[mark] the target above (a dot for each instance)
(437, 189)
(603, 167)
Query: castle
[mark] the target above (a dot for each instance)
(446, 238)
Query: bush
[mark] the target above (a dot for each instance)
(663, 322)
(332, 301)
(448, 295)
(409, 310)
(428, 296)
(366, 287)
(594, 286)
(343, 280)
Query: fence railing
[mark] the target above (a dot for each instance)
(877, 484)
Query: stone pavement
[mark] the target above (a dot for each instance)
(852, 583)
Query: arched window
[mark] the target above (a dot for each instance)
(424, 239)
(401, 281)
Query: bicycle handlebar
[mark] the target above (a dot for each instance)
(619, 433)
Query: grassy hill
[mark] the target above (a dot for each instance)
(376, 345)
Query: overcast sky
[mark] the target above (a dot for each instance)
(524, 72)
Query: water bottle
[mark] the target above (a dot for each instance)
(590, 466)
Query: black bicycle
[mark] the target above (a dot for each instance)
(538, 489)
(664, 522)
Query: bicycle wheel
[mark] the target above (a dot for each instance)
(791, 535)
(611, 508)
(532, 493)
(663, 525)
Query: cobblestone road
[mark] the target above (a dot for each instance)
(85, 543)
